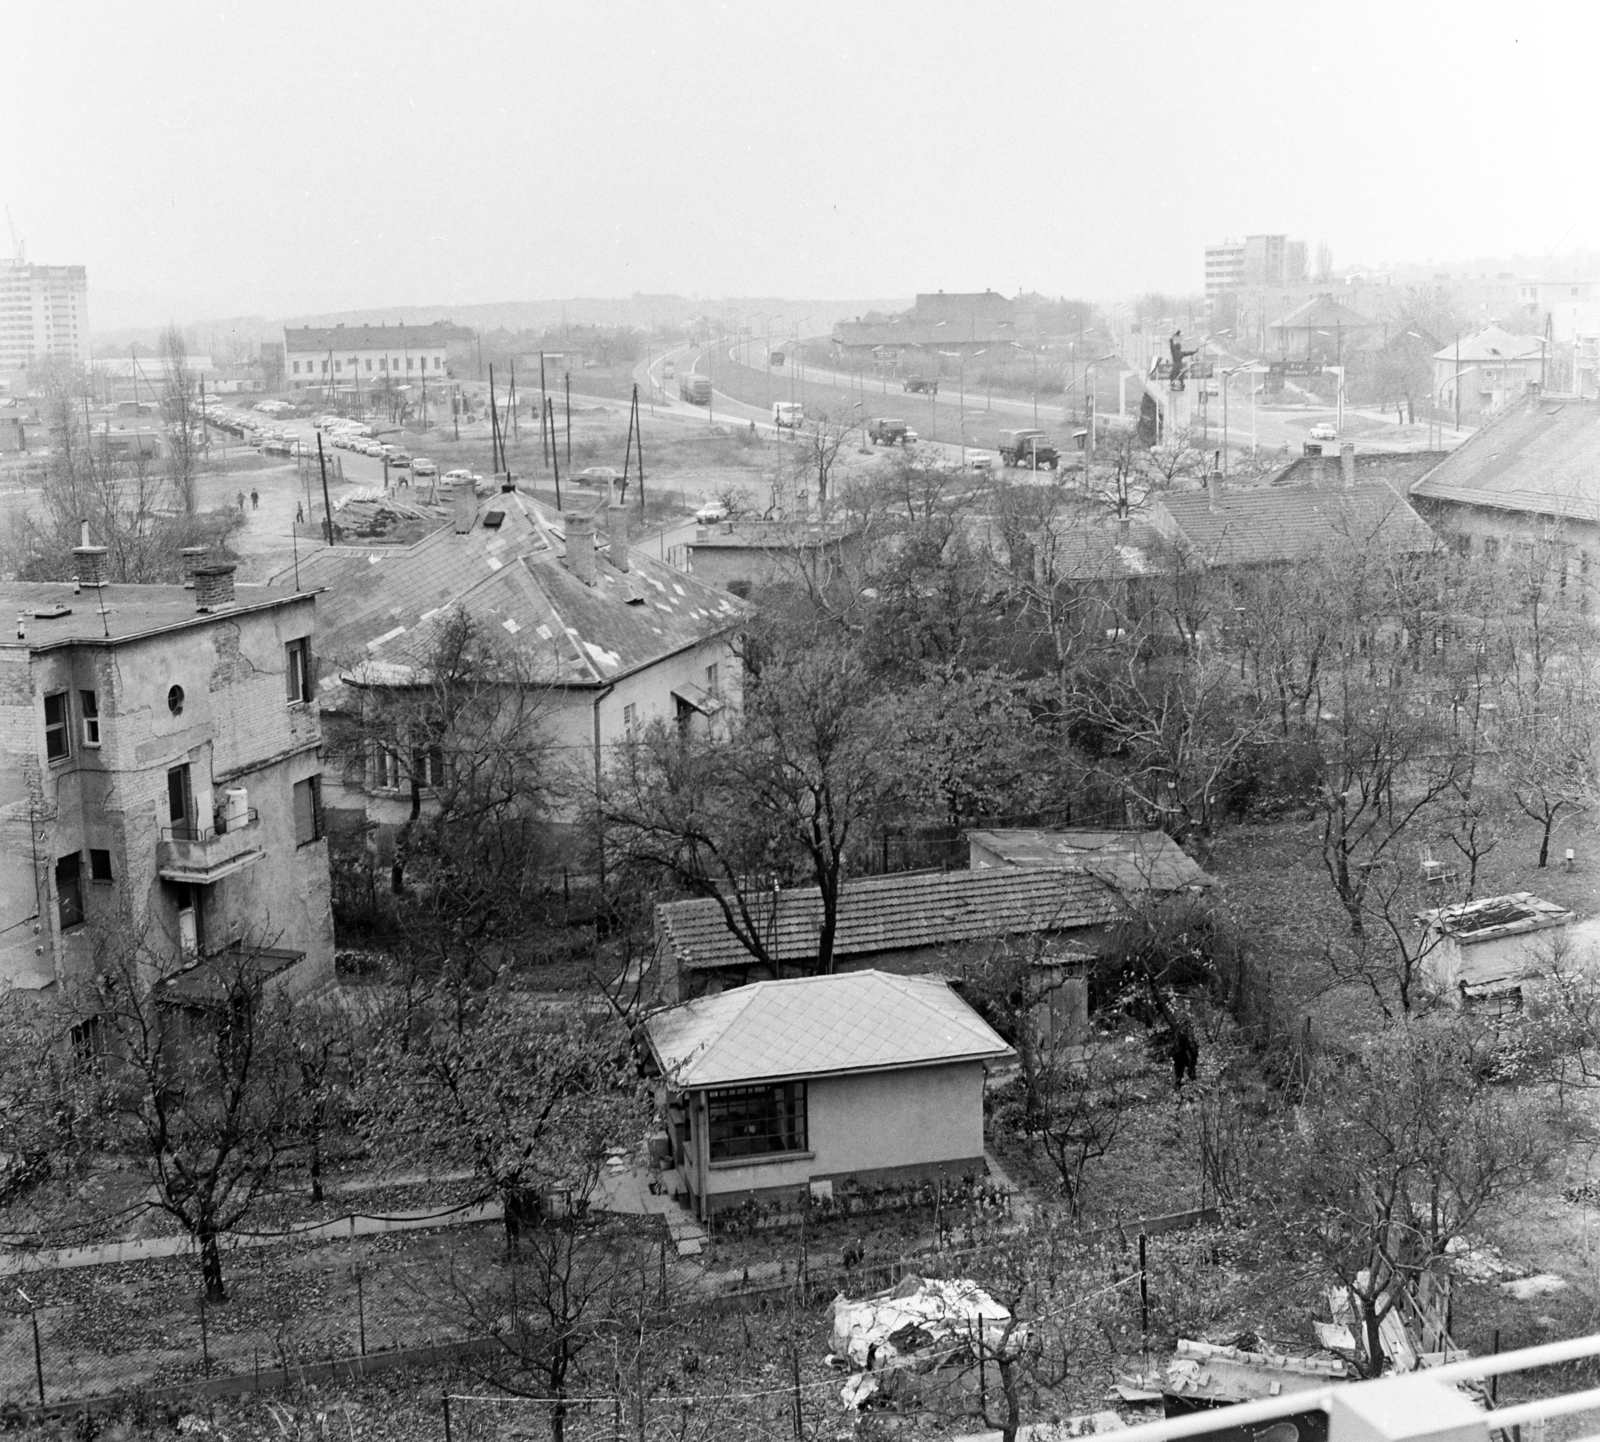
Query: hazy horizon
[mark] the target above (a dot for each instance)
(207, 164)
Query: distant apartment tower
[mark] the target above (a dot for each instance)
(1257, 260)
(44, 312)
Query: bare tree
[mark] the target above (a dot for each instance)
(180, 411)
(202, 1089)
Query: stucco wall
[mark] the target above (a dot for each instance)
(236, 728)
(877, 1122)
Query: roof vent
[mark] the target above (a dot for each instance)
(493, 520)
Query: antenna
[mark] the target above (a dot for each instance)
(17, 245)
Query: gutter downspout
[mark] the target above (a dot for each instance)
(600, 829)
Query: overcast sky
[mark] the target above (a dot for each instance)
(218, 160)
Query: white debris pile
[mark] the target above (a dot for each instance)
(918, 1325)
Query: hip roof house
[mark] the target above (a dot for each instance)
(819, 1082)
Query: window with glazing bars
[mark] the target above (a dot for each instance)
(757, 1121)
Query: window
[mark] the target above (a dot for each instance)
(383, 363)
(1491, 548)
(427, 765)
(711, 678)
(338, 365)
(69, 890)
(297, 367)
(175, 700)
(90, 702)
(630, 720)
(408, 362)
(438, 363)
(385, 768)
(57, 743)
(297, 669)
(369, 362)
(180, 804)
(307, 810)
(99, 864)
(757, 1121)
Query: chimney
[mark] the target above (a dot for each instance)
(213, 587)
(1347, 465)
(1214, 488)
(617, 537)
(89, 563)
(193, 558)
(464, 505)
(580, 545)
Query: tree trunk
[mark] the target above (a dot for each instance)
(1369, 1322)
(315, 1162)
(1544, 840)
(211, 1265)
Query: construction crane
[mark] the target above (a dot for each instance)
(17, 245)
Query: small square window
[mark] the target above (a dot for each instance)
(99, 864)
(57, 743)
(90, 702)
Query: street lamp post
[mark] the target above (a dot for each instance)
(1088, 375)
(961, 399)
(1228, 373)
(1035, 355)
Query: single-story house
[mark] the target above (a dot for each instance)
(1483, 950)
(1489, 370)
(910, 923)
(744, 555)
(1528, 476)
(1226, 528)
(818, 1081)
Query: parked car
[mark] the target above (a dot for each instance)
(1324, 431)
(422, 467)
(400, 460)
(710, 513)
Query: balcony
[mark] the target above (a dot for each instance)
(202, 855)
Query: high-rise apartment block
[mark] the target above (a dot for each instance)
(1257, 260)
(44, 313)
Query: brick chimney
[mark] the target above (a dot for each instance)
(617, 537)
(464, 506)
(213, 587)
(580, 545)
(193, 558)
(1214, 489)
(89, 563)
(1347, 465)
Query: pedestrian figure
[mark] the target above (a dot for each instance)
(255, 499)
(241, 500)
(1185, 1053)
(299, 512)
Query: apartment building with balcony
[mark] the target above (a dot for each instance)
(44, 314)
(160, 776)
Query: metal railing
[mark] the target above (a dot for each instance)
(1426, 1403)
(192, 831)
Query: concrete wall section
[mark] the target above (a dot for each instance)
(871, 1126)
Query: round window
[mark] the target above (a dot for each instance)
(175, 700)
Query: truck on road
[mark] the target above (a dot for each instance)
(787, 415)
(922, 385)
(885, 431)
(695, 389)
(1030, 448)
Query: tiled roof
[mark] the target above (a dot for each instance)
(1492, 344)
(383, 607)
(1324, 310)
(1131, 861)
(1543, 460)
(891, 913)
(320, 339)
(818, 1026)
(1281, 523)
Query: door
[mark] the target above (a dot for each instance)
(180, 804)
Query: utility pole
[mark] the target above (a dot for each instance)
(327, 505)
(569, 415)
(555, 459)
(516, 430)
(1458, 383)
(544, 410)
